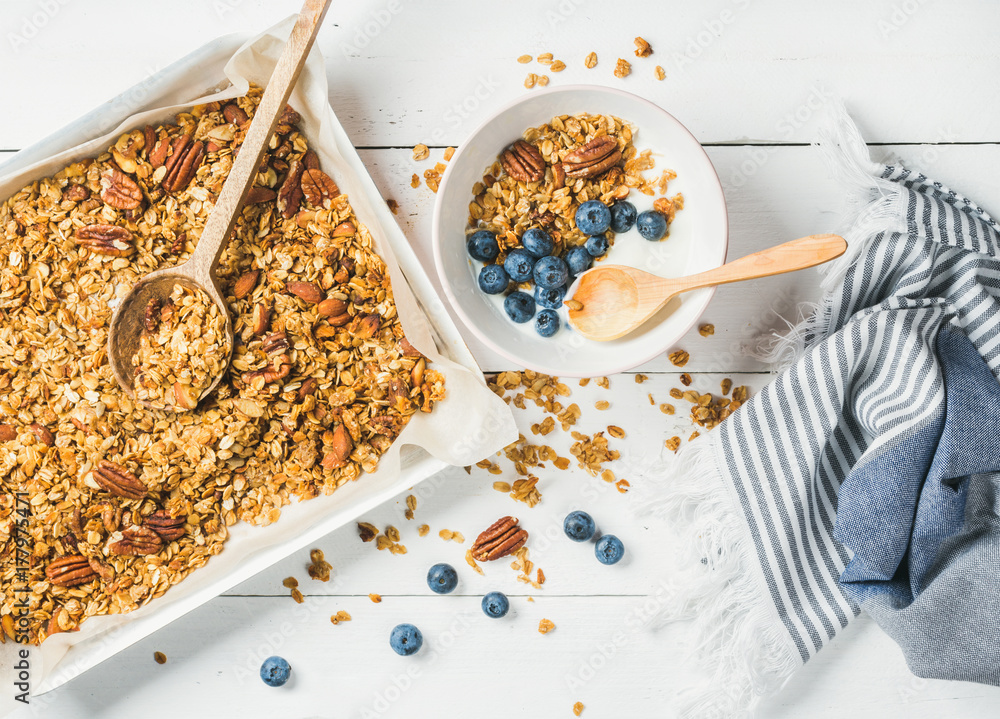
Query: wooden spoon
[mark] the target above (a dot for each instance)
(617, 299)
(199, 271)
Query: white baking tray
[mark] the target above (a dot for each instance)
(247, 550)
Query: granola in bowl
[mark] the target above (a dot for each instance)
(182, 349)
(121, 501)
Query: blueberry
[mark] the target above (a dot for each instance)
(442, 578)
(275, 671)
(579, 526)
(551, 272)
(579, 260)
(593, 217)
(547, 323)
(496, 605)
(519, 306)
(597, 246)
(537, 242)
(493, 279)
(405, 639)
(483, 246)
(519, 264)
(652, 225)
(550, 299)
(622, 216)
(609, 549)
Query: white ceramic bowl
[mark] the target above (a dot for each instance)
(697, 241)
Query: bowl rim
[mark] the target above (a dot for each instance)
(437, 249)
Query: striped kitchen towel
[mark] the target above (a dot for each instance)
(863, 478)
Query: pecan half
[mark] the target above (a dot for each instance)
(136, 541)
(151, 315)
(597, 156)
(290, 195)
(523, 162)
(501, 538)
(305, 290)
(167, 527)
(70, 571)
(117, 480)
(119, 190)
(105, 240)
(183, 163)
(75, 193)
(558, 175)
(245, 284)
(7, 433)
(317, 187)
(275, 343)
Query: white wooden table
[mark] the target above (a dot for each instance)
(750, 78)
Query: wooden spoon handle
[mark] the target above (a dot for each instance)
(788, 257)
(244, 171)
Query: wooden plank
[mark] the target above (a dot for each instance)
(402, 73)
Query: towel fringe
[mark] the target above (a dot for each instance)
(874, 204)
(740, 640)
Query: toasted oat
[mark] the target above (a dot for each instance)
(741, 393)
(640, 378)
(415, 181)
(545, 626)
(543, 80)
(421, 152)
(623, 68)
(604, 382)
(726, 385)
(661, 74)
(290, 582)
(545, 58)
(667, 408)
(590, 61)
(585, 381)
(574, 304)
(676, 393)
(685, 379)
(616, 431)
(340, 616)
(297, 596)
(423, 530)
(524, 490)
(449, 152)
(393, 206)
(706, 330)
(392, 533)
(530, 80)
(376, 598)
(694, 435)
(557, 66)
(602, 404)
(319, 569)
(411, 506)
(577, 709)
(524, 59)
(540, 576)
(679, 358)
(673, 443)
(160, 657)
(650, 396)
(608, 476)
(561, 463)
(642, 48)
(622, 485)
(501, 486)
(471, 561)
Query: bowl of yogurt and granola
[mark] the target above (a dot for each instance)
(554, 184)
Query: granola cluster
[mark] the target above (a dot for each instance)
(120, 501)
(507, 205)
(183, 348)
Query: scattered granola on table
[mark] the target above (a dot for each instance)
(642, 48)
(182, 349)
(126, 500)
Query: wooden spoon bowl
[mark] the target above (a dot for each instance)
(611, 301)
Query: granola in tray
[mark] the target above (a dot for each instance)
(182, 349)
(124, 500)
